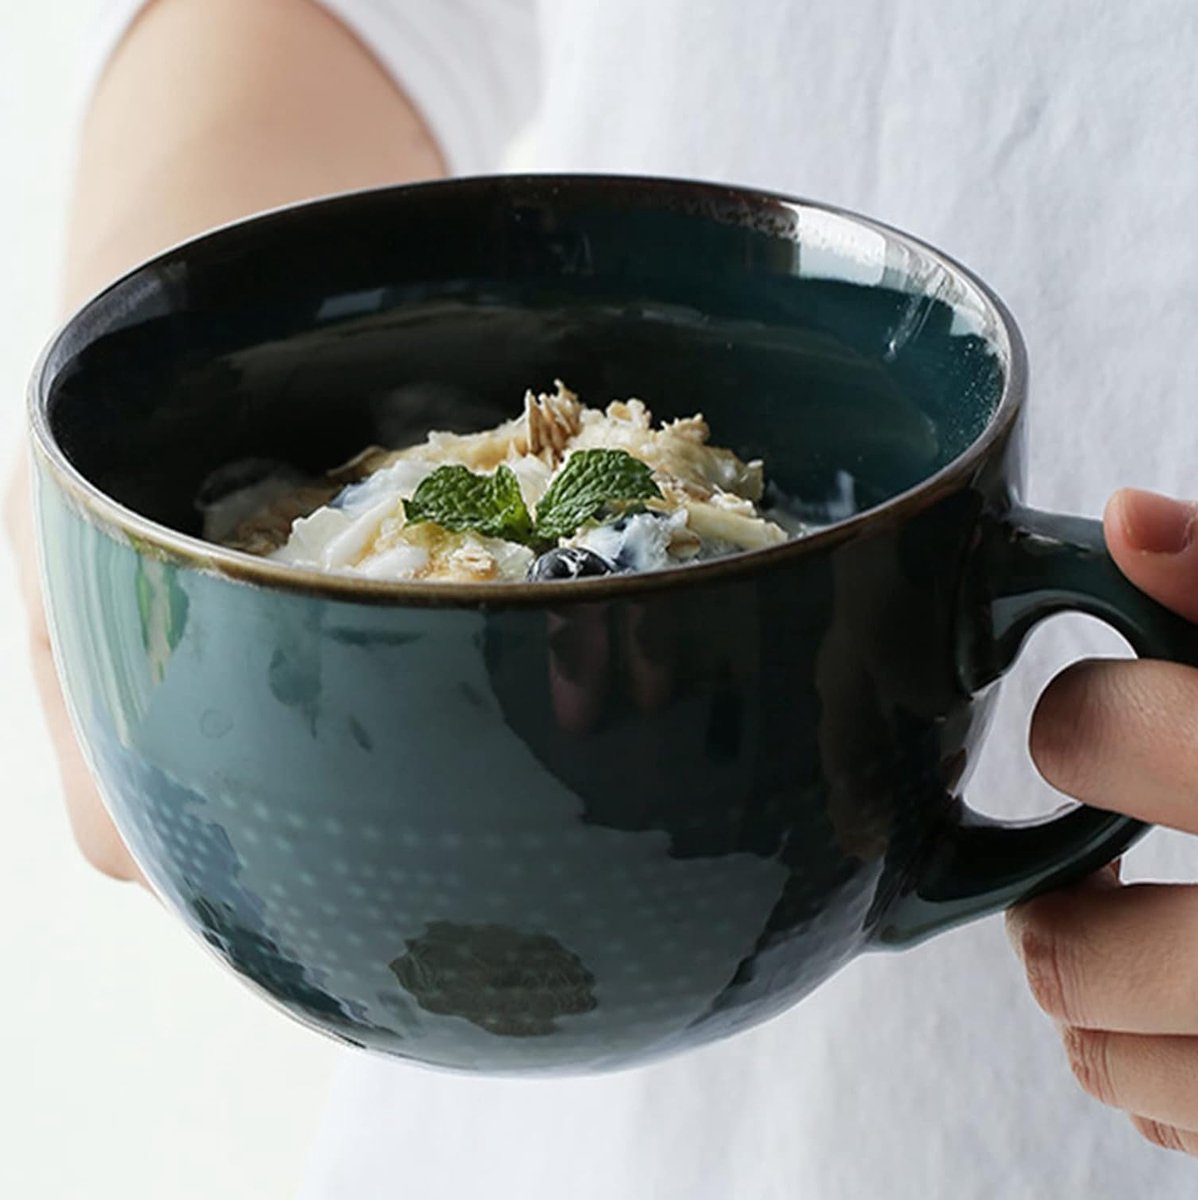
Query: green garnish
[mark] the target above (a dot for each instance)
(591, 480)
(457, 499)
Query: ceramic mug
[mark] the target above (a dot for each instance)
(560, 827)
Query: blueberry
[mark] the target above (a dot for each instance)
(570, 562)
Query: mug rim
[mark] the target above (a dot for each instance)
(150, 537)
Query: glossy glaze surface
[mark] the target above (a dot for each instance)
(561, 830)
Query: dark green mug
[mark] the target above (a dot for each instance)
(560, 826)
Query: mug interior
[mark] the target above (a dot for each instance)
(854, 361)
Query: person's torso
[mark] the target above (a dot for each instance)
(1051, 148)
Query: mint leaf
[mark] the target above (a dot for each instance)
(459, 500)
(590, 480)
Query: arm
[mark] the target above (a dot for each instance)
(209, 110)
(213, 109)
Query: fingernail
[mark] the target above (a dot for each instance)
(1157, 524)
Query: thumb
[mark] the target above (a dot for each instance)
(1154, 541)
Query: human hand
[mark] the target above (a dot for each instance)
(93, 828)
(1116, 966)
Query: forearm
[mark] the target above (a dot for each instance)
(214, 109)
(210, 110)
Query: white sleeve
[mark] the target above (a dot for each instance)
(471, 67)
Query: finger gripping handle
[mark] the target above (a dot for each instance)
(1028, 566)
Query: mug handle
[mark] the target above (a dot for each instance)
(1026, 566)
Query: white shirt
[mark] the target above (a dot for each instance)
(1051, 146)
